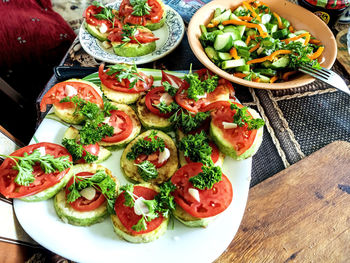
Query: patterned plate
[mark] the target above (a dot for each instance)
(170, 36)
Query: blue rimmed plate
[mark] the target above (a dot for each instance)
(170, 36)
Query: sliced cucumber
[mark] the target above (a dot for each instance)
(265, 18)
(299, 32)
(243, 68)
(238, 10)
(264, 79)
(218, 11)
(239, 43)
(223, 42)
(223, 17)
(211, 53)
(251, 32)
(243, 52)
(282, 62)
(241, 30)
(220, 27)
(271, 27)
(233, 63)
(224, 56)
(280, 34)
(234, 17)
(236, 34)
(266, 71)
(260, 50)
(266, 64)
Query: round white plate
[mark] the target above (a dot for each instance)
(98, 243)
(170, 36)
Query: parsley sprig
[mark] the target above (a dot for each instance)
(206, 179)
(140, 7)
(166, 108)
(147, 170)
(126, 72)
(129, 34)
(242, 118)
(48, 163)
(197, 148)
(162, 203)
(169, 88)
(76, 150)
(106, 12)
(147, 146)
(186, 121)
(100, 181)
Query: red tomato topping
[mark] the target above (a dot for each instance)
(153, 97)
(89, 15)
(82, 204)
(154, 16)
(141, 36)
(172, 79)
(223, 88)
(241, 138)
(212, 201)
(111, 82)
(93, 149)
(122, 124)
(42, 181)
(127, 215)
(214, 153)
(153, 158)
(60, 91)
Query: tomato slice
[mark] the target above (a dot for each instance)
(240, 138)
(154, 16)
(42, 181)
(153, 157)
(93, 149)
(212, 201)
(89, 15)
(153, 97)
(122, 124)
(215, 153)
(141, 36)
(172, 79)
(60, 91)
(127, 215)
(111, 82)
(82, 204)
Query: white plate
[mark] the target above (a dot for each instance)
(98, 243)
(170, 36)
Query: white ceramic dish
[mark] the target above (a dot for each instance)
(170, 36)
(98, 243)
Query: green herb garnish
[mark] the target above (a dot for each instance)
(125, 72)
(207, 178)
(188, 122)
(76, 150)
(140, 7)
(242, 118)
(147, 170)
(165, 108)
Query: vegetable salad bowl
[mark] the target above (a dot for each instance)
(300, 19)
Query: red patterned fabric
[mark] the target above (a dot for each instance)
(30, 31)
(331, 4)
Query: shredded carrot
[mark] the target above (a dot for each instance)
(247, 40)
(271, 57)
(210, 25)
(254, 48)
(233, 53)
(315, 41)
(291, 29)
(246, 18)
(215, 23)
(316, 54)
(247, 24)
(273, 79)
(255, 15)
(240, 75)
(306, 35)
(279, 20)
(286, 75)
(256, 80)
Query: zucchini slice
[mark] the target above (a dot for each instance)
(190, 220)
(130, 170)
(120, 97)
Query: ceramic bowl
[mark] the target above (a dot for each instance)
(299, 18)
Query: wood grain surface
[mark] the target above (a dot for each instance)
(301, 214)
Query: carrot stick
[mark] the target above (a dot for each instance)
(279, 20)
(271, 57)
(286, 75)
(246, 18)
(233, 53)
(240, 75)
(254, 48)
(273, 79)
(249, 25)
(315, 41)
(247, 40)
(256, 79)
(306, 35)
(291, 29)
(255, 15)
(316, 54)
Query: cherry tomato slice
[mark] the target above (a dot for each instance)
(82, 204)
(59, 91)
(111, 82)
(142, 36)
(154, 16)
(172, 79)
(42, 181)
(212, 201)
(127, 214)
(122, 124)
(153, 97)
(240, 138)
(89, 15)
(215, 153)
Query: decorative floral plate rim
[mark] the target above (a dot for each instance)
(170, 36)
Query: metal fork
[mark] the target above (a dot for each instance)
(327, 76)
